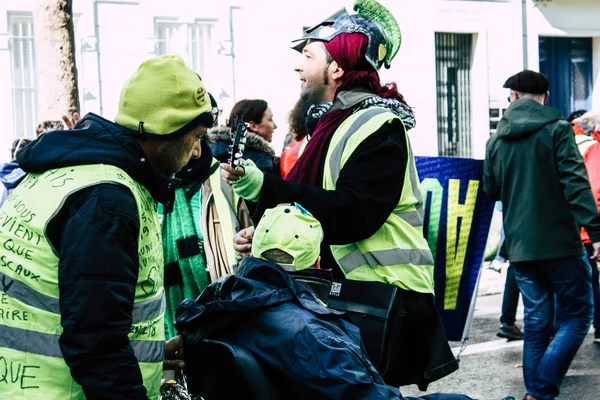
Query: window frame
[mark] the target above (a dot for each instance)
(24, 91)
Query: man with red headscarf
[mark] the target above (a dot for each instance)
(357, 176)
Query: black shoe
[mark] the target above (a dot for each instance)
(597, 335)
(510, 332)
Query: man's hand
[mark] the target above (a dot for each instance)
(231, 174)
(242, 242)
(596, 254)
(70, 123)
(174, 354)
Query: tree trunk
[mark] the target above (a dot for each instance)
(55, 59)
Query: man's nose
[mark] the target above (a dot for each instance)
(197, 150)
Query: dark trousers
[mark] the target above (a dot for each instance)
(595, 285)
(510, 301)
(561, 290)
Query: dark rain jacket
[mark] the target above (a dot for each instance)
(96, 235)
(534, 167)
(10, 176)
(316, 354)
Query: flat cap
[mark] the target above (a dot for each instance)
(527, 81)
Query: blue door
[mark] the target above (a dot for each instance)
(567, 62)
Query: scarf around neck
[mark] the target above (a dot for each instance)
(320, 119)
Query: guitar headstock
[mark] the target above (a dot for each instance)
(239, 131)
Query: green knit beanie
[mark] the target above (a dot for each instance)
(164, 97)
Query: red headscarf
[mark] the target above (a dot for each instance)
(348, 50)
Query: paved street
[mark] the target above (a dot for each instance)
(490, 367)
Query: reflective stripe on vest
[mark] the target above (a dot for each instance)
(46, 344)
(397, 253)
(355, 259)
(414, 218)
(29, 283)
(142, 311)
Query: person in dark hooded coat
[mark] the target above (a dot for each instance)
(307, 350)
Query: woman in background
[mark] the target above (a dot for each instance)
(259, 116)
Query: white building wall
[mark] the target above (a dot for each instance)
(7, 7)
(113, 37)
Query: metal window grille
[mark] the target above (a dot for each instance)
(495, 117)
(24, 92)
(567, 62)
(581, 67)
(195, 46)
(453, 57)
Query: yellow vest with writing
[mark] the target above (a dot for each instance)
(397, 254)
(30, 320)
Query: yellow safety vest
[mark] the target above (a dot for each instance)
(397, 254)
(30, 319)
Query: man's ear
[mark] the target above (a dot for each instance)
(318, 263)
(336, 71)
(546, 96)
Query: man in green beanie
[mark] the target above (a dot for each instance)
(82, 263)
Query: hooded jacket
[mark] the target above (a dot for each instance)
(534, 167)
(311, 351)
(96, 236)
(10, 176)
(257, 149)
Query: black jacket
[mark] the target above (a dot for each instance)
(96, 235)
(534, 167)
(363, 198)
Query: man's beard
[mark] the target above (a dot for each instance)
(316, 93)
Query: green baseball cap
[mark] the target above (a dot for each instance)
(291, 229)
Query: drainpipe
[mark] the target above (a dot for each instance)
(525, 34)
(231, 40)
(97, 34)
